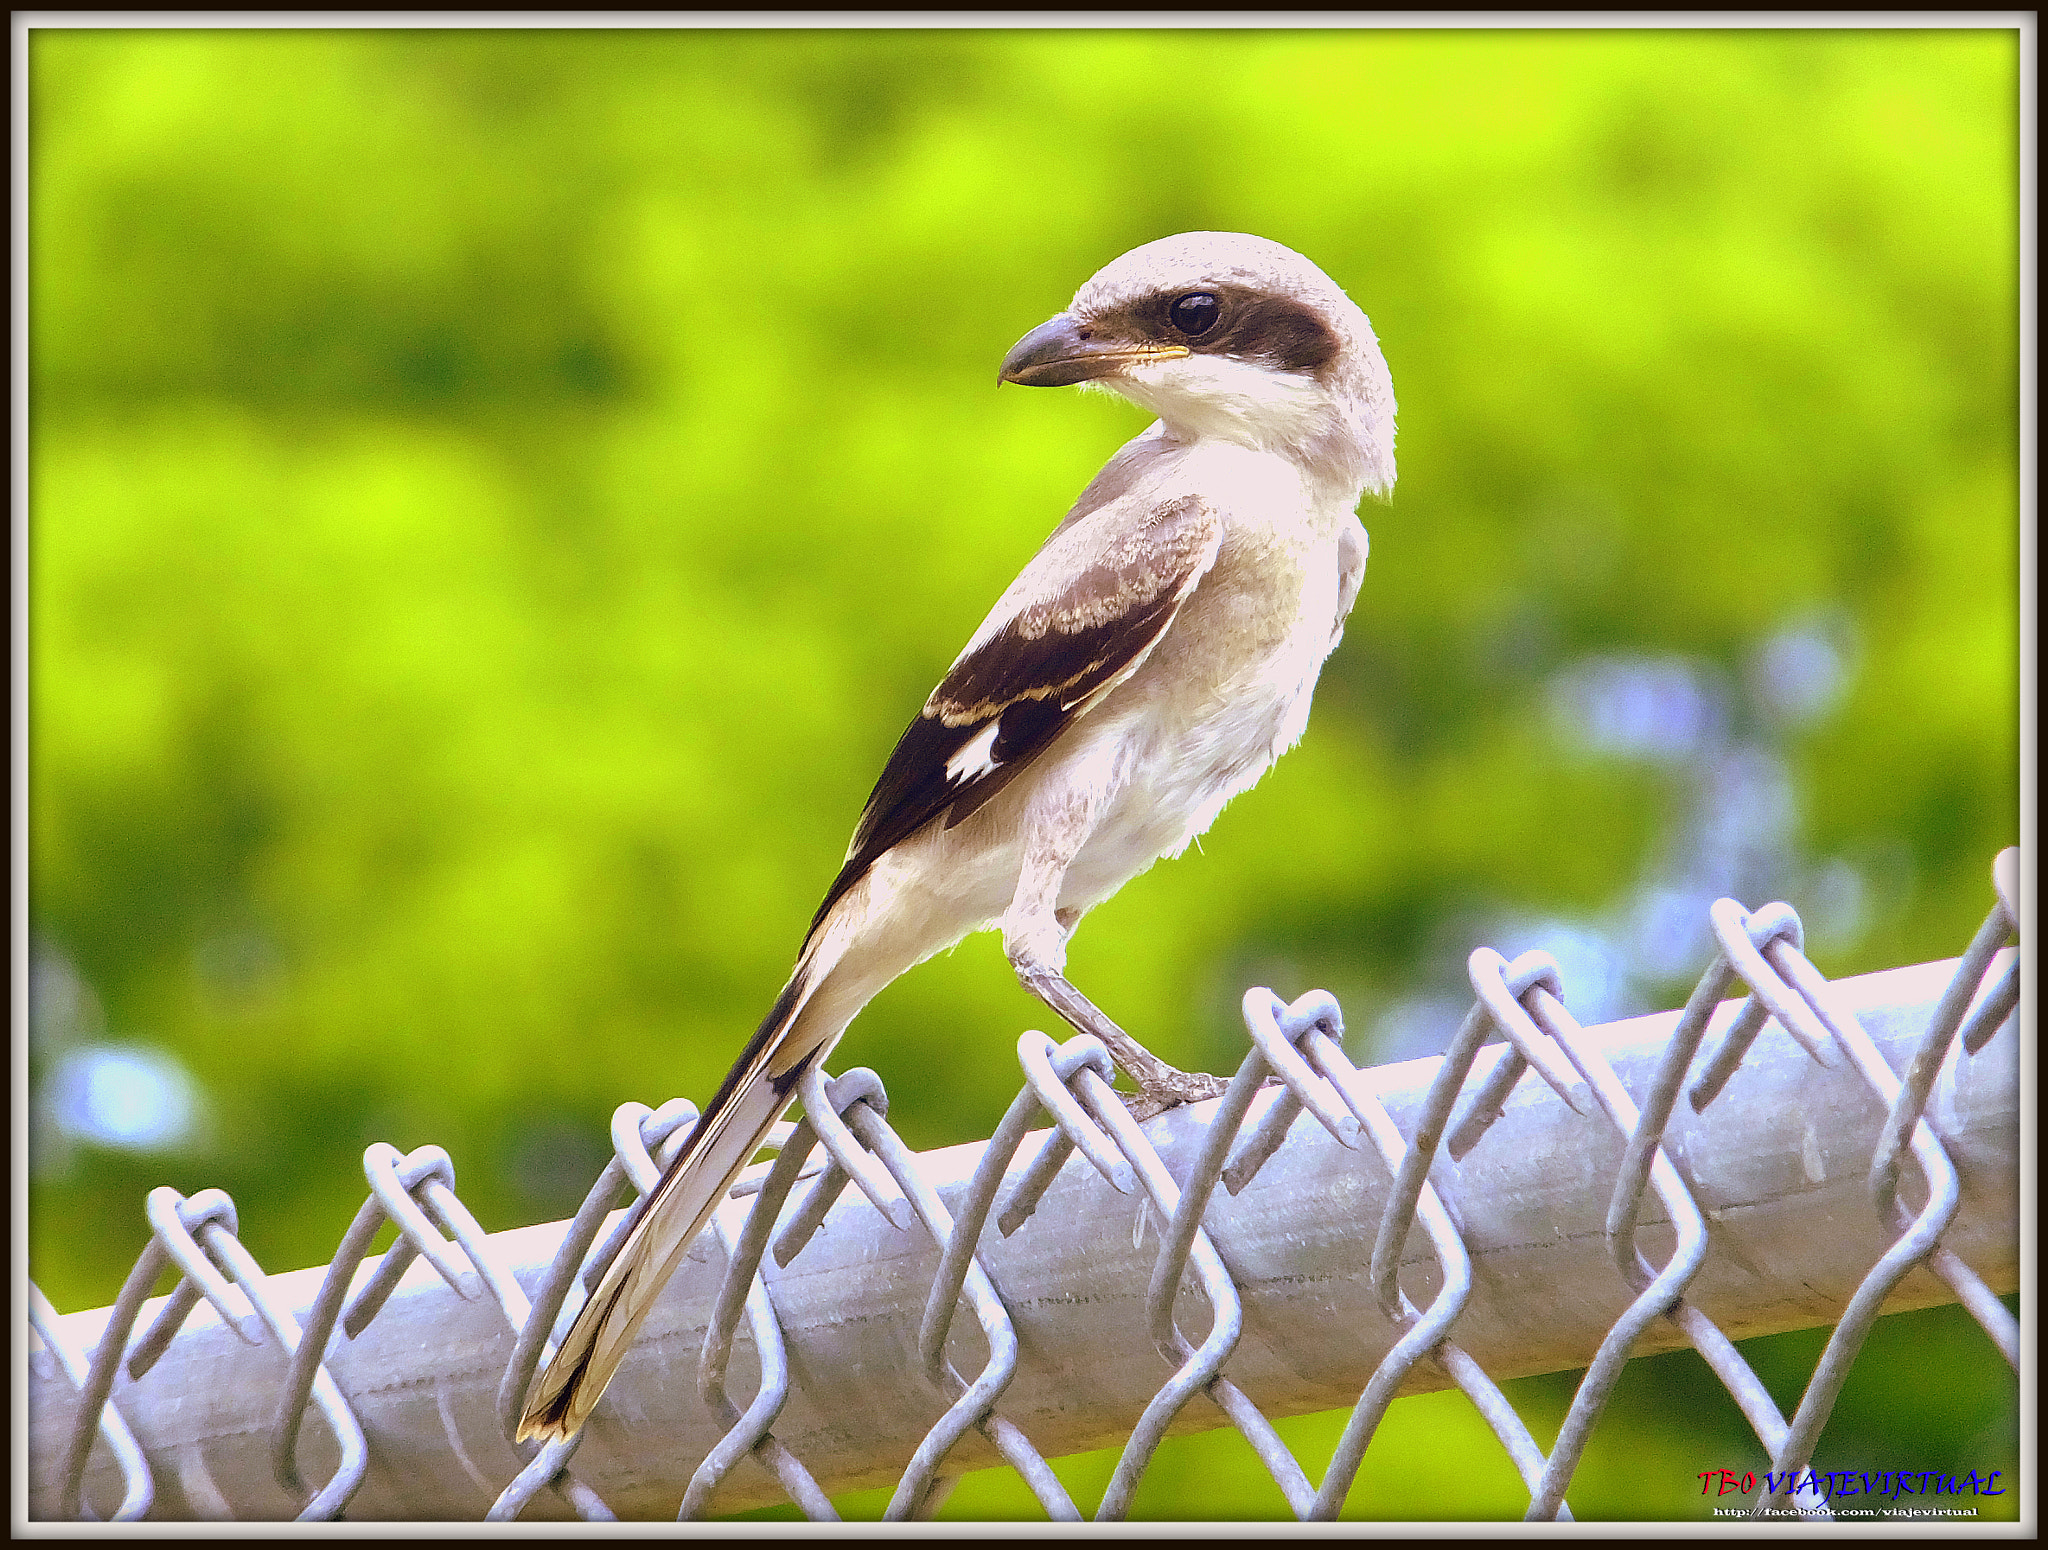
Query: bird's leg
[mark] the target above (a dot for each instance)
(1035, 938)
(1160, 1086)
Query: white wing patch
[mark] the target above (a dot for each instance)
(976, 756)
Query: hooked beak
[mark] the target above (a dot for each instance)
(1058, 354)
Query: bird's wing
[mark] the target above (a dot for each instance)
(1079, 620)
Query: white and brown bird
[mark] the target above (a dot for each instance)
(1153, 658)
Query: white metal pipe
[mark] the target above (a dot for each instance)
(1778, 1163)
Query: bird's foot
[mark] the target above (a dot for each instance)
(1160, 1086)
(1169, 1089)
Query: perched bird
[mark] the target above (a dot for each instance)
(1153, 658)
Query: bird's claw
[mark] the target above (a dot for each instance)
(1167, 1088)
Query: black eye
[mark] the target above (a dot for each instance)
(1194, 313)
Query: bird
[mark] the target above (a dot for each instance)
(1149, 663)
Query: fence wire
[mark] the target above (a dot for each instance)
(954, 1247)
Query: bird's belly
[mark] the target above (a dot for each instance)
(1181, 770)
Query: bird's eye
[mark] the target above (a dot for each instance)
(1194, 313)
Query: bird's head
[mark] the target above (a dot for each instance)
(1232, 337)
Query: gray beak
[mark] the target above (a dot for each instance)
(1058, 354)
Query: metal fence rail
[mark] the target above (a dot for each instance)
(1570, 1198)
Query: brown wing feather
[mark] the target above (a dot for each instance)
(1047, 664)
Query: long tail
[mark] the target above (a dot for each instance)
(761, 1084)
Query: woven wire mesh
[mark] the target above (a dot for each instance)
(1295, 1081)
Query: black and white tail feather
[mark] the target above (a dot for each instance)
(760, 1086)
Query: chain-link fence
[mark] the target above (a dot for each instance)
(1567, 1198)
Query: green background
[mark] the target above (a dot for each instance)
(497, 496)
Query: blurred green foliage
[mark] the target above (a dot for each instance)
(478, 479)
